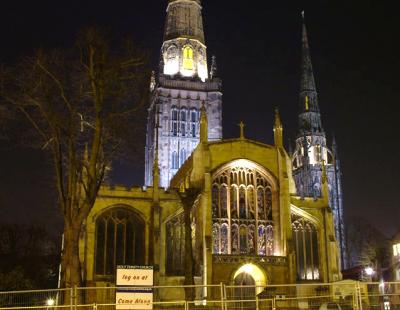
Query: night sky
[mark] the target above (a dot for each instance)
(354, 49)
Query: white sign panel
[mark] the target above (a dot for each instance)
(134, 276)
(134, 299)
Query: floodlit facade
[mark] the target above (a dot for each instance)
(258, 215)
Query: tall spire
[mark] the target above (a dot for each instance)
(309, 117)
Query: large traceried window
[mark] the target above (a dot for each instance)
(242, 211)
(119, 241)
(305, 239)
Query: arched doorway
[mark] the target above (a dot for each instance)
(249, 281)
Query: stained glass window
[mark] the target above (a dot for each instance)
(243, 239)
(224, 239)
(242, 202)
(261, 240)
(223, 201)
(215, 201)
(235, 239)
(215, 235)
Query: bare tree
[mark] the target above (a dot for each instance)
(84, 104)
(368, 247)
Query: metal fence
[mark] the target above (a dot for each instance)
(319, 296)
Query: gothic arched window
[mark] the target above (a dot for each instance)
(174, 160)
(119, 241)
(305, 241)
(242, 200)
(193, 122)
(174, 121)
(188, 58)
(183, 122)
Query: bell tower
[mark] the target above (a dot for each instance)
(312, 155)
(182, 84)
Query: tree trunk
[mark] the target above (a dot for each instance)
(72, 273)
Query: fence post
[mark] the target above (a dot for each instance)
(76, 297)
(94, 306)
(358, 295)
(273, 303)
(186, 305)
(257, 302)
(71, 298)
(222, 295)
(225, 297)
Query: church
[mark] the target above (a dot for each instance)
(250, 213)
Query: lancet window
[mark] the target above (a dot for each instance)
(187, 58)
(242, 212)
(305, 242)
(119, 241)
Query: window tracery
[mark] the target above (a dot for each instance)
(305, 241)
(184, 122)
(242, 210)
(119, 241)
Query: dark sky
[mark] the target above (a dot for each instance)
(354, 49)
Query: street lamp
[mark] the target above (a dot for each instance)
(369, 271)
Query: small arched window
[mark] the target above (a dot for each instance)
(187, 58)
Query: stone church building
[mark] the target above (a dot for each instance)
(255, 210)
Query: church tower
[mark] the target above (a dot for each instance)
(183, 83)
(312, 154)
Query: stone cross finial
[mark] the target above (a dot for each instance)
(241, 125)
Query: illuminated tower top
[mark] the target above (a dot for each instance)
(309, 115)
(184, 49)
(184, 20)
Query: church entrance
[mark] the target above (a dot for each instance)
(248, 280)
(245, 287)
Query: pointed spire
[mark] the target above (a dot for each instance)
(334, 146)
(214, 68)
(241, 126)
(203, 124)
(152, 81)
(278, 129)
(307, 74)
(324, 181)
(309, 118)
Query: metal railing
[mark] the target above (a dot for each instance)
(319, 296)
